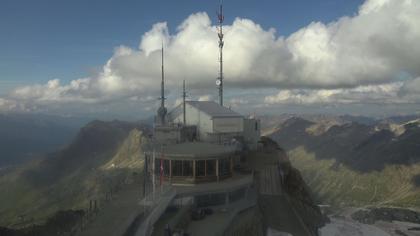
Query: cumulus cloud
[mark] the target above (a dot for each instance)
(379, 94)
(7, 105)
(352, 59)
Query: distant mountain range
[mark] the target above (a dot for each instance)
(360, 146)
(356, 163)
(27, 136)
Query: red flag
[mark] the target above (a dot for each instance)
(161, 171)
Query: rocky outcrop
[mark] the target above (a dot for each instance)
(58, 224)
(295, 202)
(371, 215)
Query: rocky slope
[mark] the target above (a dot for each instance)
(361, 147)
(356, 164)
(101, 157)
(291, 210)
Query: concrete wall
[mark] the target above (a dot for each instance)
(228, 125)
(196, 117)
(168, 134)
(252, 133)
(217, 129)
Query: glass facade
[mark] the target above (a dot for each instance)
(210, 169)
(224, 166)
(200, 168)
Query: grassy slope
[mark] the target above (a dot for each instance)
(341, 186)
(90, 180)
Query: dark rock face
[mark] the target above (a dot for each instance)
(61, 222)
(87, 149)
(416, 180)
(302, 200)
(66, 178)
(370, 216)
(296, 191)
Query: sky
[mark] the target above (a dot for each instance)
(102, 58)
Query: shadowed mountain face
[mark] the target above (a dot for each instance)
(416, 180)
(361, 147)
(100, 158)
(27, 136)
(92, 147)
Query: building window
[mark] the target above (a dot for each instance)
(166, 167)
(256, 126)
(187, 169)
(176, 168)
(200, 167)
(224, 166)
(211, 167)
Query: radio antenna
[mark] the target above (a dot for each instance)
(219, 81)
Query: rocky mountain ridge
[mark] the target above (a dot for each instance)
(102, 155)
(355, 164)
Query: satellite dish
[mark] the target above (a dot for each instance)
(218, 82)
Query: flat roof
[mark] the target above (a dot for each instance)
(213, 109)
(210, 108)
(194, 150)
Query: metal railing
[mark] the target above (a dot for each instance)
(155, 204)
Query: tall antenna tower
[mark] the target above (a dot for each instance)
(219, 81)
(184, 97)
(162, 85)
(162, 111)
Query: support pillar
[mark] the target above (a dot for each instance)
(194, 170)
(170, 171)
(205, 167)
(231, 165)
(217, 169)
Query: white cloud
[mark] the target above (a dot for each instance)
(390, 93)
(334, 62)
(7, 105)
(411, 90)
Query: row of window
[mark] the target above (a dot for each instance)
(185, 168)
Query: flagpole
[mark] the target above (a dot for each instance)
(161, 170)
(153, 173)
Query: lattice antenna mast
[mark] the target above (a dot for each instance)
(219, 82)
(162, 85)
(184, 97)
(162, 111)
